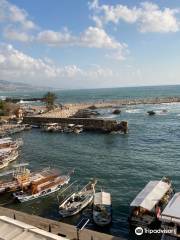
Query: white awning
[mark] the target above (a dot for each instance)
(150, 195)
(103, 198)
(171, 212)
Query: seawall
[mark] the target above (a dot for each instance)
(58, 228)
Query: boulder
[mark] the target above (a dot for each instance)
(116, 111)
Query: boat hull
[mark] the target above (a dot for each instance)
(44, 193)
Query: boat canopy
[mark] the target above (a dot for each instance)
(171, 212)
(5, 150)
(150, 195)
(5, 140)
(102, 198)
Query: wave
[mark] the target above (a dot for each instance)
(133, 110)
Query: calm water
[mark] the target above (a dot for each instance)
(123, 164)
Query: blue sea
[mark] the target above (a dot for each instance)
(122, 164)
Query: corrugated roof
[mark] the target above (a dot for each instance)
(102, 198)
(172, 210)
(150, 195)
(11, 229)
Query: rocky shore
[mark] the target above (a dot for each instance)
(70, 109)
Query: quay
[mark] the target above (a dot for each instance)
(64, 230)
(89, 124)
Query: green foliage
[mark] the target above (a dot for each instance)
(7, 108)
(49, 99)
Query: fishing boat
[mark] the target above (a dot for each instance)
(42, 184)
(102, 209)
(77, 201)
(170, 218)
(9, 143)
(7, 155)
(78, 129)
(150, 202)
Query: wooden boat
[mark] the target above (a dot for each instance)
(102, 209)
(7, 155)
(9, 143)
(21, 178)
(170, 218)
(42, 184)
(149, 202)
(78, 200)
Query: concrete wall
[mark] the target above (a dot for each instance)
(58, 228)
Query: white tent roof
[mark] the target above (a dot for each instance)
(102, 198)
(172, 210)
(11, 229)
(150, 195)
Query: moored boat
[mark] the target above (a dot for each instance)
(42, 184)
(78, 200)
(102, 209)
(170, 218)
(150, 202)
(7, 155)
(9, 143)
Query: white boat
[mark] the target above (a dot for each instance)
(78, 129)
(170, 218)
(146, 207)
(7, 155)
(9, 143)
(43, 184)
(102, 209)
(78, 200)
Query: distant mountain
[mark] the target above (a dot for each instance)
(17, 86)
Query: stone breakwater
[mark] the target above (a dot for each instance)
(70, 109)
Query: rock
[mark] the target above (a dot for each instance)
(151, 113)
(93, 107)
(116, 111)
(86, 113)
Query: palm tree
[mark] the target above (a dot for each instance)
(49, 99)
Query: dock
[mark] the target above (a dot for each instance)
(89, 124)
(61, 229)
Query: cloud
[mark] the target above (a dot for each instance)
(12, 14)
(15, 65)
(148, 16)
(92, 37)
(13, 34)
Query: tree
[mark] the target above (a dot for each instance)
(8, 108)
(49, 99)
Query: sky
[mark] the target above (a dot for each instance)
(72, 44)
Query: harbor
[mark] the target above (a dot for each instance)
(53, 142)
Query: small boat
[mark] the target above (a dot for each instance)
(102, 209)
(78, 129)
(78, 200)
(9, 143)
(43, 184)
(170, 218)
(151, 112)
(7, 155)
(147, 205)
